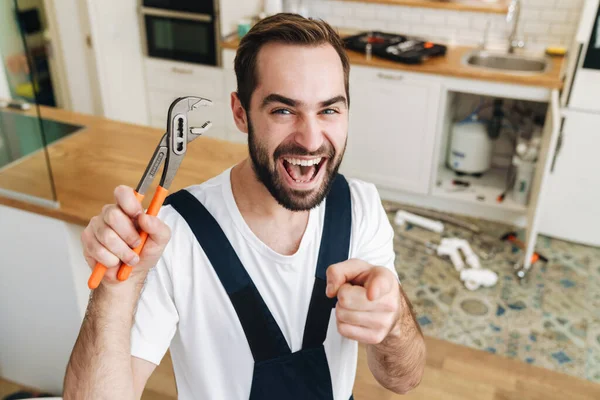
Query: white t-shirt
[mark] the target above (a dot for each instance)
(184, 306)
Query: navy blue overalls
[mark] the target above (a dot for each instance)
(278, 373)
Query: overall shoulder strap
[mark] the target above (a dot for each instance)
(334, 248)
(262, 332)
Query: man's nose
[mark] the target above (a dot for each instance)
(309, 134)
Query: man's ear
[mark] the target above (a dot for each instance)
(239, 113)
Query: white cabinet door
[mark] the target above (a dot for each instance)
(572, 192)
(392, 129)
(118, 58)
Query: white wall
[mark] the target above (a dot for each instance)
(10, 44)
(4, 89)
(232, 11)
(43, 295)
(543, 22)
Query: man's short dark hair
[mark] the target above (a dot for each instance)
(288, 29)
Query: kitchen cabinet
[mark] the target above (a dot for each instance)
(572, 192)
(118, 60)
(233, 134)
(168, 80)
(392, 129)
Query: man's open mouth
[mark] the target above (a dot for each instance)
(303, 170)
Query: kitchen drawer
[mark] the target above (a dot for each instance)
(184, 79)
(376, 74)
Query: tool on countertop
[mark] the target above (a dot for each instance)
(15, 104)
(170, 150)
(403, 49)
(513, 238)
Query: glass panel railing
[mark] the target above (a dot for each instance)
(25, 91)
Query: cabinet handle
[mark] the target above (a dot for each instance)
(182, 71)
(559, 144)
(390, 77)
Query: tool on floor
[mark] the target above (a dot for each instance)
(473, 277)
(513, 238)
(170, 150)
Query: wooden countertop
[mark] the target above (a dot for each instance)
(90, 163)
(451, 65)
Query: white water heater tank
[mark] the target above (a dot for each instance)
(470, 148)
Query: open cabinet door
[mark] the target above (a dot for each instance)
(572, 192)
(552, 128)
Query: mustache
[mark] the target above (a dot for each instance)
(290, 149)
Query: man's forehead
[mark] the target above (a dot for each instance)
(299, 70)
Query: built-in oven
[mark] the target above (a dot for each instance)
(181, 30)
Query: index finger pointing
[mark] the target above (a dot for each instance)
(379, 283)
(342, 272)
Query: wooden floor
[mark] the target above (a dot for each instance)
(453, 372)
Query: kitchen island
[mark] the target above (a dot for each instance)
(43, 275)
(89, 164)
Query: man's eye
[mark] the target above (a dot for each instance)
(282, 111)
(329, 111)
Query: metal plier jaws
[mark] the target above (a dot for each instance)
(170, 151)
(173, 144)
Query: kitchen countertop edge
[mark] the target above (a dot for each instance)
(451, 65)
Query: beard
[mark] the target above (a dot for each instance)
(265, 168)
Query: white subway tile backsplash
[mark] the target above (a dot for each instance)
(568, 4)
(386, 13)
(366, 11)
(413, 16)
(530, 14)
(554, 15)
(352, 22)
(373, 25)
(341, 9)
(480, 23)
(437, 18)
(541, 3)
(321, 8)
(455, 19)
(538, 28)
(562, 30)
(542, 22)
(573, 17)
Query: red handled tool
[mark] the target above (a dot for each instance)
(512, 237)
(170, 150)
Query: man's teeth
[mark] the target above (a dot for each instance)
(305, 163)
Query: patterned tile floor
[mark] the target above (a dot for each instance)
(551, 319)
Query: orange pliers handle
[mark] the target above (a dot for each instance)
(124, 270)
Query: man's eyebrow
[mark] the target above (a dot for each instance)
(333, 100)
(277, 98)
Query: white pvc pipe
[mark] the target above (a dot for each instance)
(403, 216)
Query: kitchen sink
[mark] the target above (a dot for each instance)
(506, 62)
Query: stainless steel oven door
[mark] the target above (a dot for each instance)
(180, 36)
